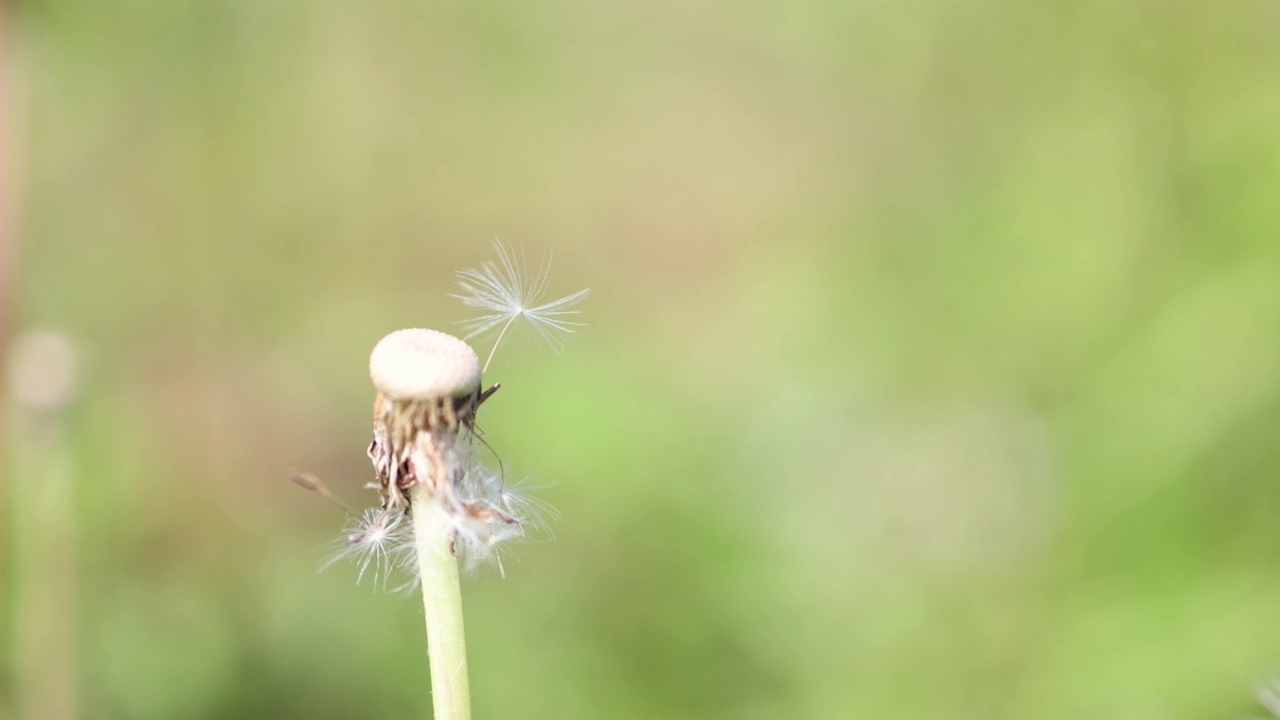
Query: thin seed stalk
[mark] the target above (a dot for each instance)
(498, 342)
(442, 604)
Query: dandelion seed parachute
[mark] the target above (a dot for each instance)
(506, 290)
(379, 543)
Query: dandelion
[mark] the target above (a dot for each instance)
(438, 502)
(507, 291)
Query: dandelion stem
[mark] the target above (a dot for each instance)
(442, 603)
(498, 342)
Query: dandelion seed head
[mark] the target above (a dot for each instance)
(427, 468)
(421, 364)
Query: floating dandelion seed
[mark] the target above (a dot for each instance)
(507, 291)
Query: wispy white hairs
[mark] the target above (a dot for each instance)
(505, 291)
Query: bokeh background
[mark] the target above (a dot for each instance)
(933, 367)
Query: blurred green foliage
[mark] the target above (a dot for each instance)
(933, 368)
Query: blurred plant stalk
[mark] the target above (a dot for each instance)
(8, 168)
(42, 529)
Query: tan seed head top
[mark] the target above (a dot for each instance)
(421, 364)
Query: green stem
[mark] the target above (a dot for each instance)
(442, 602)
(44, 572)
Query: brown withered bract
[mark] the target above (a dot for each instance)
(396, 423)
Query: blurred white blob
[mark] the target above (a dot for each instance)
(43, 369)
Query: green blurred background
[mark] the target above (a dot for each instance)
(933, 367)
